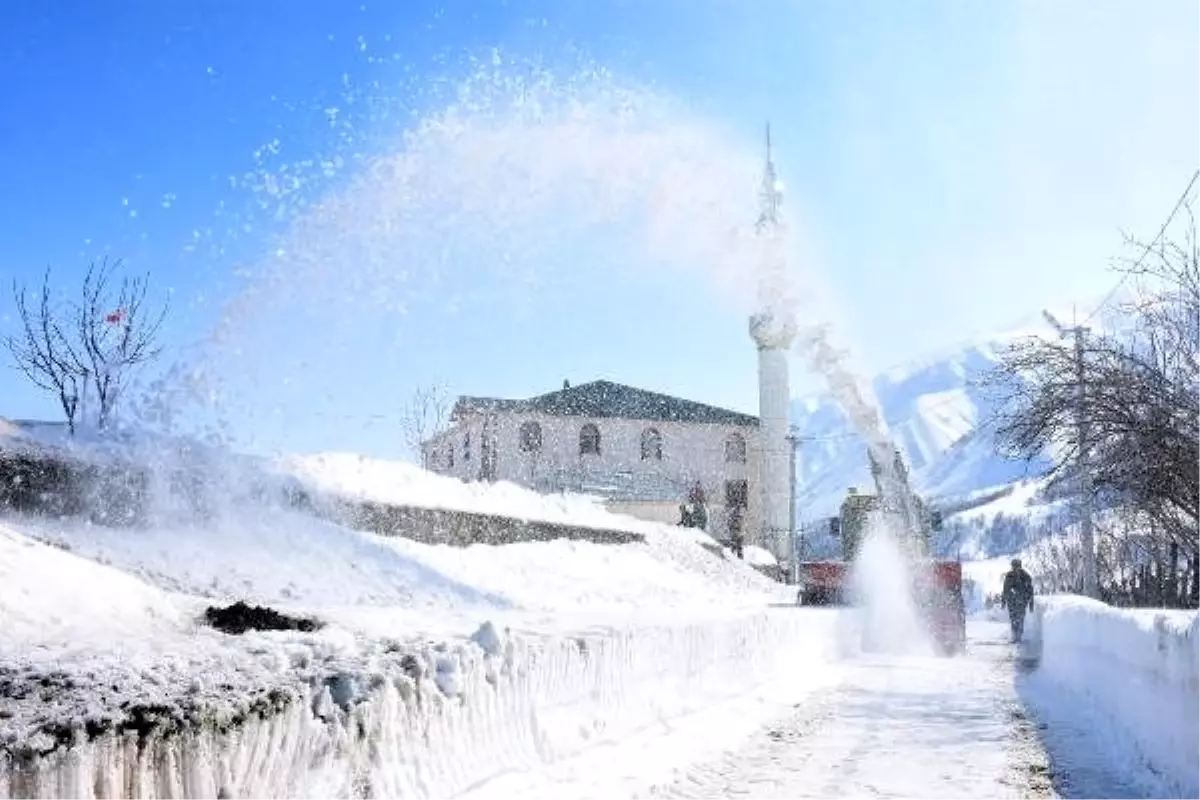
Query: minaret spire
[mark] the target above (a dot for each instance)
(771, 195)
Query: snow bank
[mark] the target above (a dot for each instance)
(87, 647)
(111, 685)
(43, 599)
(759, 556)
(447, 720)
(400, 483)
(1140, 667)
(264, 555)
(290, 559)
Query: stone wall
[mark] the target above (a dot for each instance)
(462, 528)
(50, 483)
(55, 484)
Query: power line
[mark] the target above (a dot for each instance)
(1107, 298)
(1178, 205)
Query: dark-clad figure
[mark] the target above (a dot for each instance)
(1017, 597)
(737, 521)
(693, 514)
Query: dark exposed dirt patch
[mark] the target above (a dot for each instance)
(240, 617)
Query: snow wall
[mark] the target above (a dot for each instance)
(452, 718)
(1141, 668)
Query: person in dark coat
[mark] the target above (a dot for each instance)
(737, 521)
(1017, 597)
(693, 514)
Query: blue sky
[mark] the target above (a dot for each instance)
(955, 166)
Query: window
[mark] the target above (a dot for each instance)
(651, 445)
(530, 437)
(735, 449)
(450, 456)
(589, 440)
(487, 458)
(467, 447)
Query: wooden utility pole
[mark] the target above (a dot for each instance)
(1083, 467)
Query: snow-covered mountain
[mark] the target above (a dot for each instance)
(938, 414)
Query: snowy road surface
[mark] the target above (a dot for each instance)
(895, 727)
(975, 726)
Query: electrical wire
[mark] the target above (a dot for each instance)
(1170, 217)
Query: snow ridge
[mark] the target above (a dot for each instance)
(451, 720)
(939, 413)
(1138, 670)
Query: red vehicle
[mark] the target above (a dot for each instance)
(940, 598)
(937, 585)
(937, 590)
(821, 583)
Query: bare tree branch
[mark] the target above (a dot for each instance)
(1140, 403)
(107, 336)
(425, 416)
(42, 352)
(117, 332)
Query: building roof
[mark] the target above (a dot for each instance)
(605, 399)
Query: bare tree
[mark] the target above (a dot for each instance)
(1137, 392)
(425, 416)
(1144, 423)
(116, 332)
(42, 352)
(89, 347)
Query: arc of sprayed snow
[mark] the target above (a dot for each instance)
(814, 343)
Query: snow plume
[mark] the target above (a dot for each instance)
(882, 583)
(473, 209)
(853, 394)
(815, 343)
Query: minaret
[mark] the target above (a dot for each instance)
(773, 333)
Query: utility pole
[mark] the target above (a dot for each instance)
(1087, 537)
(794, 440)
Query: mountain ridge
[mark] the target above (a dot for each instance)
(938, 414)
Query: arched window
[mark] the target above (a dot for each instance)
(589, 440)
(735, 449)
(467, 447)
(530, 437)
(651, 445)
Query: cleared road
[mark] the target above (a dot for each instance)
(895, 727)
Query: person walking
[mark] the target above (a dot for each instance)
(737, 520)
(1017, 597)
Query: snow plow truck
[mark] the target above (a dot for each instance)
(937, 585)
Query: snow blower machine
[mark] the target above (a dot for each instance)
(937, 585)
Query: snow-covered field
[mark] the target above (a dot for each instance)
(436, 667)
(1136, 672)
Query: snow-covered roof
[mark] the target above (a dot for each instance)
(606, 399)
